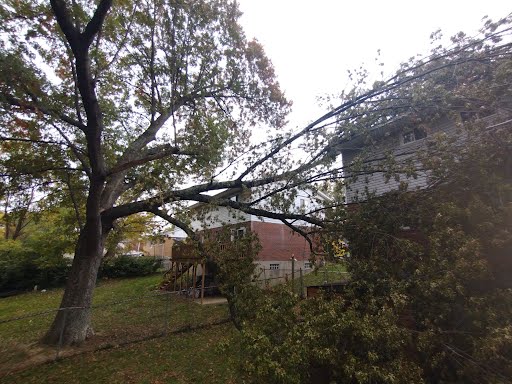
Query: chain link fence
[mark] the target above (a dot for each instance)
(114, 323)
(134, 319)
(299, 279)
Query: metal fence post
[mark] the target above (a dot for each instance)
(301, 283)
(167, 314)
(61, 335)
(293, 274)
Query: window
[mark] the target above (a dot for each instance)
(237, 233)
(307, 265)
(302, 203)
(274, 266)
(472, 115)
(414, 135)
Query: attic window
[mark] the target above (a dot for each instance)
(414, 135)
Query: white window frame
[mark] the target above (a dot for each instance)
(238, 233)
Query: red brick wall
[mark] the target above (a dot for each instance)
(279, 242)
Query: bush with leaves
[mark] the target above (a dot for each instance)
(233, 257)
(430, 298)
(36, 258)
(127, 266)
(22, 267)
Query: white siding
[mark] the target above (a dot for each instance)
(376, 182)
(216, 217)
(302, 203)
(205, 217)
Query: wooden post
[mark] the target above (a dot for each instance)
(174, 270)
(203, 266)
(170, 274)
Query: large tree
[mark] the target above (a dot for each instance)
(136, 99)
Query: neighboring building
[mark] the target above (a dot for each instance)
(279, 243)
(158, 248)
(367, 158)
(161, 248)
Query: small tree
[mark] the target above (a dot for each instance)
(234, 258)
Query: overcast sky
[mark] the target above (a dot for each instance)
(313, 43)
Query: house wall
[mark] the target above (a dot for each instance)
(216, 217)
(158, 249)
(279, 243)
(277, 276)
(376, 182)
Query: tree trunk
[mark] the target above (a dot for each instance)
(72, 325)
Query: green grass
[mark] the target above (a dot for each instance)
(166, 359)
(200, 356)
(194, 357)
(329, 273)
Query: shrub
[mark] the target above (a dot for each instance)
(22, 268)
(126, 266)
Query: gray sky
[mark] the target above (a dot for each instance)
(313, 43)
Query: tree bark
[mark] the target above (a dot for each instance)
(73, 319)
(72, 323)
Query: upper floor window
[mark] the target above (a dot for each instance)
(237, 233)
(475, 114)
(413, 135)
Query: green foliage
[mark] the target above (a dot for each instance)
(22, 267)
(126, 266)
(234, 255)
(428, 304)
(431, 287)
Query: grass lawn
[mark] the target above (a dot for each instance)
(329, 273)
(134, 317)
(193, 357)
